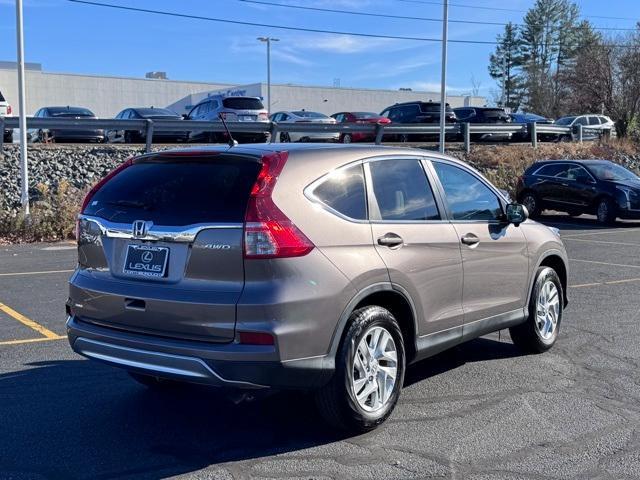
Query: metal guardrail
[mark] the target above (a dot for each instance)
(377, 131)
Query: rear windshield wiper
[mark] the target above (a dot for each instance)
(130, 203)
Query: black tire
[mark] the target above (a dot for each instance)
(336, 400)
(8, 137)
(284, 137)
(128, 137)
(347, 138)
(565, 138)
(403, 138)
(527, 335)
(154, 383)
(606, 211)
(530, 200)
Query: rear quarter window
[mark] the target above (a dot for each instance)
(344, 192)
(180, 192)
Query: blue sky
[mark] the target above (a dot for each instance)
(68, 37)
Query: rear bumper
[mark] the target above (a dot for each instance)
(223, 365)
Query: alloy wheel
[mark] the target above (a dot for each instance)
(603, 212)
(529, 201)
(375, 368)
(547, 310)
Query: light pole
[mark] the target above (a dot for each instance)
(268, 41)
(24, 173)
(443, 77)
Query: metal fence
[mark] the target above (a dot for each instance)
(461, 131)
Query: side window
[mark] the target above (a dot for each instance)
(386, 114)
(604, 120)
(195, 112)
(344, 192)
(581, 121)
(594, 121)
(402, 191)
(558, 170)
(467, 196)
(578, 173)
(276, 117)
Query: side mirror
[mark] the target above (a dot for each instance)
(516, 213)
(185, 116)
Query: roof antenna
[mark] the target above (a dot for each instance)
(231, 142)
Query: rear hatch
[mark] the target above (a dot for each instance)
(244, 109)
(160, 246)
(495, 115)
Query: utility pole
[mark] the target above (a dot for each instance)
(24, 173)
(268, 41)
(504, 80)
(443, 76)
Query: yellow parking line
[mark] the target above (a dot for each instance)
(29, 323)
(31, 340)
(12, 274)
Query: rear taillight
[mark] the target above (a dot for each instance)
(9, 110)
(263, 117)
(268, 233)
(98, 186)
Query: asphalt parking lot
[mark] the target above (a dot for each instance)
(480, 411)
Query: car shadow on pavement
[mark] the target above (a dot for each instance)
(478, 350)
(583, 222)
(80, 419)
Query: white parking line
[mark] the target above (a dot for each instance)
(603, 263)
(602, 232)
(602, 241)
(16, 274)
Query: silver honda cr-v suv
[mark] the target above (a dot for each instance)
(316, 267)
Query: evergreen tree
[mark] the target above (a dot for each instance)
(504, 64)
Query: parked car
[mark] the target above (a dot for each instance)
(5, 111)
(232, 109)
(303, 116)
(140, 135)
(416, 112)
(484, 115)
(523, 118)
(594, 126)
(600, 187)
(359, 118)
(285, 266)
(60, 135)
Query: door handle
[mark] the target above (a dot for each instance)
(390, 240)
(470, 239)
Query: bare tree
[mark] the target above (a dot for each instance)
(475, 86)
(606, 76)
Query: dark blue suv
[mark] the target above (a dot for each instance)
(600, 187)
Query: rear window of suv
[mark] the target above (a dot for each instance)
(2, 98)
(242, 103)
(434, 107)
(178, 192)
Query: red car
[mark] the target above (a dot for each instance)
(359, 117)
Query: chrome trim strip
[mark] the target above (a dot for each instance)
(154, 362)
(183, 234)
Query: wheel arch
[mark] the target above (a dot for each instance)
(394, 299)
(555, 261)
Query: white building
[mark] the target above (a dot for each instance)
(106, 96)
